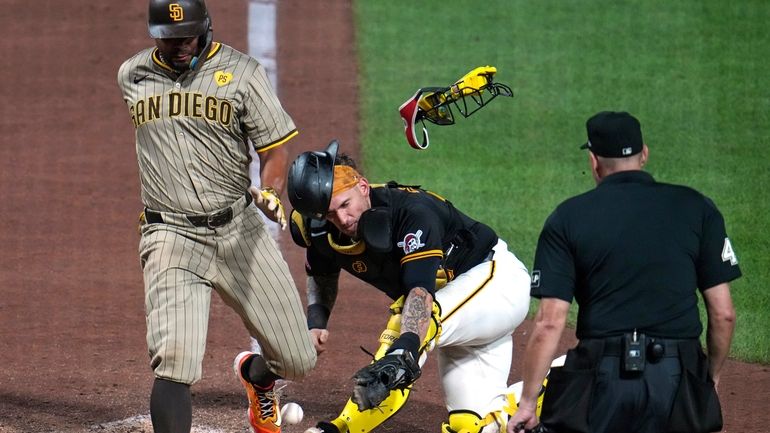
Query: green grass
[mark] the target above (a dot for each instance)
(694, 73)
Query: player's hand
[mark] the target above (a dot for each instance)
(268, 202)
(319, 337)
(525, 419)
(373, 384)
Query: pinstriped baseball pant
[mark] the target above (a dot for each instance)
(241, 261)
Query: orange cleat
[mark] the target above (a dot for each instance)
(264, 403)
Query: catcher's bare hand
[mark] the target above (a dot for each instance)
(319, 337)
(396, 370)
(269, 203)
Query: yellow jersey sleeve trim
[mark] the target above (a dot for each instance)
(422, 255)
(279, 142)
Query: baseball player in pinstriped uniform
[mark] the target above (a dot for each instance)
(195, 105)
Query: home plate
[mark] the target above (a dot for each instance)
(141, 424)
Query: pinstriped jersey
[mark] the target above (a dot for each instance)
(193, 130)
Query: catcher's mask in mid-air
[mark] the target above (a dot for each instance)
(310, 181)
(468, 94)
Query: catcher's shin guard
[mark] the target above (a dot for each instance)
(355, 421)
(470, 422)
(496, 421)
(392, 329)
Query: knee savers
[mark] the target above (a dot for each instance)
(470, 422)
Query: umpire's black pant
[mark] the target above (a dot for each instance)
(593, 392)
(633, 402)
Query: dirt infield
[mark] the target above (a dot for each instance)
(73, 355)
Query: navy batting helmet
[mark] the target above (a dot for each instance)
(310, 181)
(178, 19)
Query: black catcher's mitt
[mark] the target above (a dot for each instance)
(396, 370)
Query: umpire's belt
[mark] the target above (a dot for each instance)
(210, 220)
(666, 347)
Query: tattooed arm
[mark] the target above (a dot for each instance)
(400, 366)
(416, 314)
(415, 321)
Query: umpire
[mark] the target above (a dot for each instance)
(632, 253)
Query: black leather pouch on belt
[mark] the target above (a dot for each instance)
(696, 404)
(570, 388)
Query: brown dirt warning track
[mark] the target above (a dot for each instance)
(72, 350)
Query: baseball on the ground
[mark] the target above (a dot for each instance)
(291, 413)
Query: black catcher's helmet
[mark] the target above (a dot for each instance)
(178, 19)
(310, 181)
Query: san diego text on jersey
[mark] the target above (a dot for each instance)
(186, 104)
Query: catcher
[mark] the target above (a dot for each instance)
(455, 286)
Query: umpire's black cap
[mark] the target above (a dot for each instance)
(310, 181)
(613, 134)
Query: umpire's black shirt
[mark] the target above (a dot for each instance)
(632, 252)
